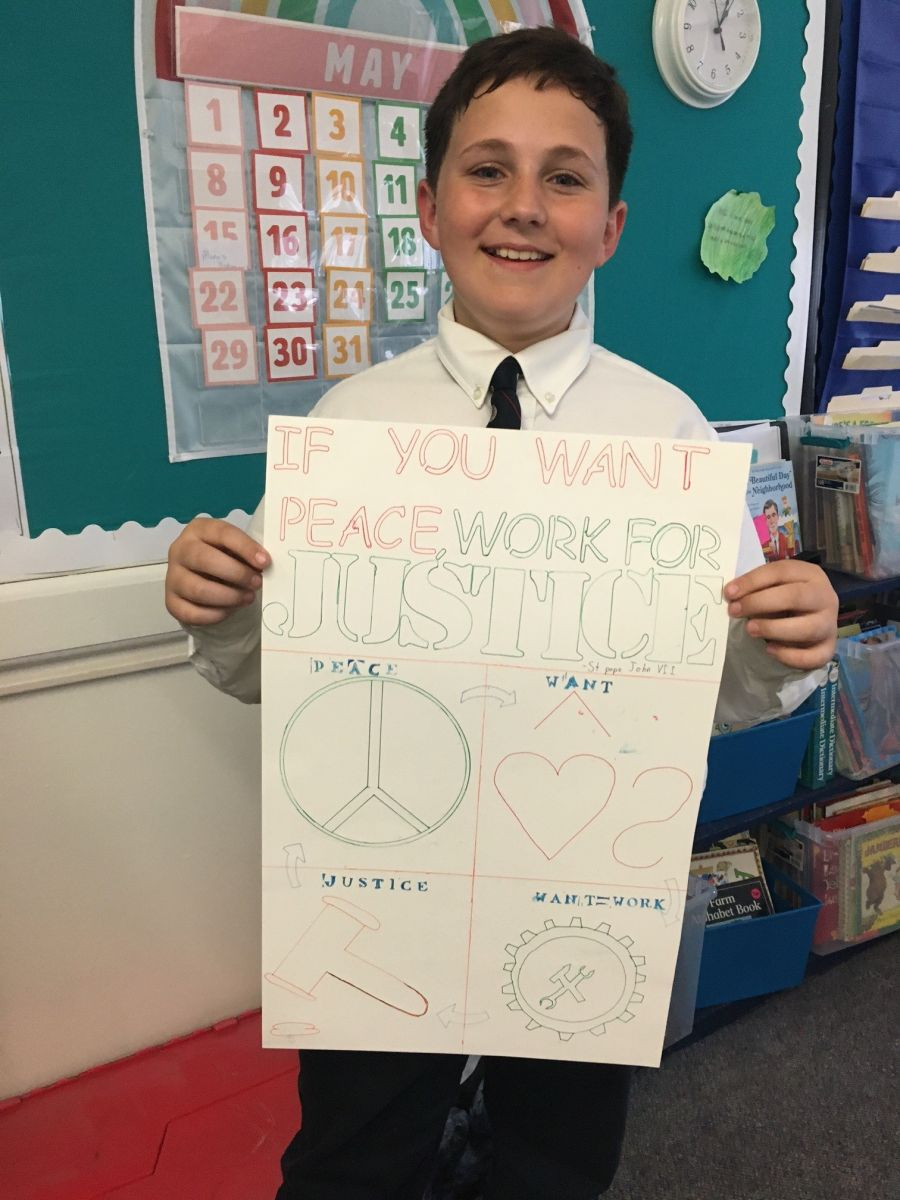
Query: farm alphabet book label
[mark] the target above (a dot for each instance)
(490, 665)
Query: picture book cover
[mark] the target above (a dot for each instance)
(877, 853)
(737, 874)
(745, 899)
(772, 500)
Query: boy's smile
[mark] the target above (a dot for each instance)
(521, 215)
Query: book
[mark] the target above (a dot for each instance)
(853, 475)
(868, 736)
(867, 798)
(834, 687)
(878, 810)
(784, 847)
(817, 767)
(772, 500)
(882, 416)
(875, 871)
(850, 862)
(742, 900)
(737, 875)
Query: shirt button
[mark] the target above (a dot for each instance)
(549, 397)
(478, 393)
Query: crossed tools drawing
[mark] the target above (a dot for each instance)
(566, 986)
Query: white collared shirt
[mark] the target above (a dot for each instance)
(569, 385)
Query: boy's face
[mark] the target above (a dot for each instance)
(521, 213)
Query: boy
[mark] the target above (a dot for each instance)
(526, 148)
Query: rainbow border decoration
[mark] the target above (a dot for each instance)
(454, 22)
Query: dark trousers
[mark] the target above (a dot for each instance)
(372, 1124)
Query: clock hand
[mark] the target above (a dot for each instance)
(719, 20)
(725, 11)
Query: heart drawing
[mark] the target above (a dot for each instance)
(554, 804)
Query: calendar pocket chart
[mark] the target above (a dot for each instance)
(282, 149)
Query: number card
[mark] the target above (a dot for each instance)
(291, 298)
(404, 295)
(213, 115)
(290, 352)
(343, 241)
(216, 179)
(277, 182)
(446, 288)
(348, 294)
(337, 124)
(402, 243)
(281, 122)
(346, 349)
(283, 240)
(395, 190)
(398, 131)
(221, 238)
(340, 185)
(229, 357)
(218, 298)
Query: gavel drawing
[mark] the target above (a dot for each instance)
(324, 949)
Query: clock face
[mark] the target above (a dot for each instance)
(705, 49)
(720, 41)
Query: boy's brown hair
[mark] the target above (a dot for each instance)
(550, 58)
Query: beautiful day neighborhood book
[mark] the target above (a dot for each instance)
(772, 500)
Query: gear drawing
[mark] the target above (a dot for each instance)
(573, 978)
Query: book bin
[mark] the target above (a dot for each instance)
(762, 954)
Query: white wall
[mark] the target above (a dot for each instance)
(129, 830)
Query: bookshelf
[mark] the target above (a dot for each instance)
(851, 587)
(710, 1019)
(712, 831)
(848, 587)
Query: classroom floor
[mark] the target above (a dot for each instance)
(794, 1097)
(202, 1118)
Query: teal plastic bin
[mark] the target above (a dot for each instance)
(754, 767)
(762, 954)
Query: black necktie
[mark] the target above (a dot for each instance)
(507, 414)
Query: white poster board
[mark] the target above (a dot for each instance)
(12, 500)
(490, 666)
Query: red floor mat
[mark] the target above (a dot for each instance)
(202, 1118)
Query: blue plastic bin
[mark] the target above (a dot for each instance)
(761, 954)
(754, 767)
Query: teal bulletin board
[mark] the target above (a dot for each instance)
(79, 324)
(723, 343)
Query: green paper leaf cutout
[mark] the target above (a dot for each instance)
(734, 235)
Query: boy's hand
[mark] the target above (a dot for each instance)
(793, 606)
(214, 569)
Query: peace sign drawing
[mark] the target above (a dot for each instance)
(374, 762)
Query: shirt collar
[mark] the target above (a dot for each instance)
(549, 367)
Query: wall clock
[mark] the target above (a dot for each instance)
(705, 49)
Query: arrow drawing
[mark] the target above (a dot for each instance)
(672, 911)
(294, 856)
(452, 1014)
(488, 693)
